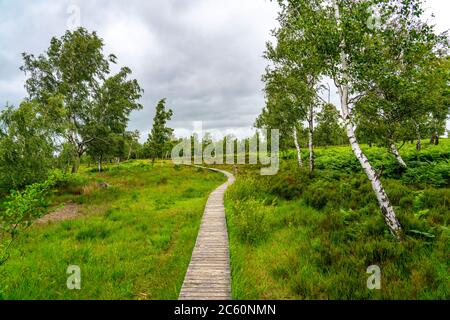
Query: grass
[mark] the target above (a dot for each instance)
(133, 240)
(293, 236)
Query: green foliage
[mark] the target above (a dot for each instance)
(249, 209)
(25, 147)
(63, 180)
(325, 230)
(249, 220)
(288, 184)
(72, 85)
(435, 174)
(328, 131)
(20, 209)
(389, 77)
(127, 246)
(159, 138)
(65, 157)
(114, 147)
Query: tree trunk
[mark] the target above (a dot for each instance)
(76, 163)
(100, 158)
(419, 139)
(311, 140)
(383, 200)
(434, 139)
(397, 155)
(297, 146)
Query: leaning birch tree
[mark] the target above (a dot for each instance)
(346, 40)
(322, 35)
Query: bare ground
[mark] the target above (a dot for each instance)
(70, 210)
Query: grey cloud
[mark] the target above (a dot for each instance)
(204, 56)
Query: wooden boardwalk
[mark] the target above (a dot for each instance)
(208, 274)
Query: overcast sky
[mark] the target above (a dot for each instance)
(204, 56)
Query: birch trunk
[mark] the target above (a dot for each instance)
(419, 139)
(397, 155)
(311, 140)
(383, 200)
(297, 146)
(129, 154)
(100, 164)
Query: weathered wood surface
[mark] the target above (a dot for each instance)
(208, 274)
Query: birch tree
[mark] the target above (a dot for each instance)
(341, 74)
(76, 71)
(407, 81)
(284, 110)
(160, 135)
(340, 36)
(297, 81)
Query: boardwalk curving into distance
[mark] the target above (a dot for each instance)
(208, 275)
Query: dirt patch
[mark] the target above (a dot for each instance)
(70, 210)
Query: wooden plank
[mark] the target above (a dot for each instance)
(208, 275)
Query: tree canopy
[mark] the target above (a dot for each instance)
(160, 135)
(75, 72)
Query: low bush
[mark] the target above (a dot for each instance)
(327, 228)
(20, 209)
(249, 220)
(434, 174)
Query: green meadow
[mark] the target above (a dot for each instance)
(296, 236)
(292, 235)
(132, 240)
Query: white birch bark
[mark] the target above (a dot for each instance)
(383, 200)
(311, 139)
(297, 146)
(419, 138)
(397, 155)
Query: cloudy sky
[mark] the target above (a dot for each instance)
(204, 56)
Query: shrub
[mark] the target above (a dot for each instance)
(289, 185)
(21, 208)
(248, 188)
(437, 199)
(396, 191)
(434, 174)
(67, 181)
(321, 193)
(249, 220)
